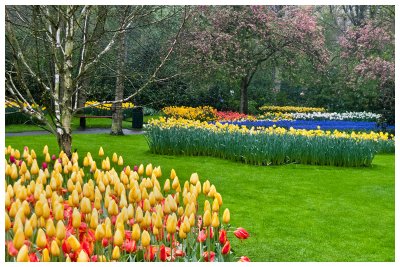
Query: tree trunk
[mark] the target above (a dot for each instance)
(117, 115)
(277, 83)
(244, 105)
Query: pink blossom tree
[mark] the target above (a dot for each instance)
(238, 40)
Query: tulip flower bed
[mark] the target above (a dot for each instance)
(67, 211)
(264, 146)
(105, 109)
(204, 113)
(290, 109)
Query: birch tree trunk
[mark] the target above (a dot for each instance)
(117, 114)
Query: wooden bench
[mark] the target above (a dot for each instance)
(82, 119)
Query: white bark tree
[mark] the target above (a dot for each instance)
(72, 41)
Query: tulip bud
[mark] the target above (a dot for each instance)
(182, 233)
(207, 218)
(212, 191)
(139, 215)
(28, 229)
(45, 255)
(86, 206)
(73, 243)
(171, 223)
(194, 178)
(54, 248)
(60, 230)
(58, 212)
(83, 256)
(19, 238)
(101, 152)
(226, 248)
(226, 216)
(120, 161)
(50, 229)
(215, 220)
(215, 206)
(94, 219)
(206, 187)
(8, 222)
(23, 254)
(76, 218)
(149, 169)
(167, 186)
(99, 233)
(113, 208)
(141, 170)
(118, 238)
(145, 239)
(136, 232)
(115, 253)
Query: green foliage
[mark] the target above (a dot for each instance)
(264, 148)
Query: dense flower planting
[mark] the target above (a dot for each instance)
(233, 116)
(320, 124)
(264, 146)
(203, 113)
(107, 106)
(290, 109)
(351, 116)
(73, 210)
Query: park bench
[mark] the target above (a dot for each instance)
(82, 119)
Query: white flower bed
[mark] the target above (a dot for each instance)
(336, 116)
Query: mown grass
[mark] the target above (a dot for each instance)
(90, 123)
(292, 212)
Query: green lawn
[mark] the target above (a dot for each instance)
(292, 212)
(90, 123)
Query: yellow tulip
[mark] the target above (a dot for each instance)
(73, 242)
(47, 158)
(101, 152)
(45, 255)
(19, 238)
(194, 178)
(23, 254)
(207, 218)
(118, 237)
(112, 208)
(171, 223)
(145, 239)
(182, 233)
(86, 206)
(215, 220)
(34, 168)
(141, 170)
(60, 230)
(215, 206)
(8, 222)
(212, 191)
(82, 257)
(206, 187)
(136, 232)
(115, 253)
(94, 219)
(120, 161)
(76, 218)
(99, 233)
(226, 217)
(28, 231)
(50, 228)
(54, 248)
(149, 169)
(58, 212)
(173, 174)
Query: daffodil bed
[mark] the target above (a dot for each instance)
(265, 146)
(72, 210)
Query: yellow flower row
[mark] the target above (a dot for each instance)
(108, 106)
(202, 113)
(12, 104)
(276, 116)
(291, 109)
(218, 127)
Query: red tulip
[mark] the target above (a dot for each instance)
(135, 168)
(129, 246)
(179, 253)
(202, 237)
(241, 233)
(150, 253)
(226, 248)
(222, 237)
(163, 254)
(33, 257)
(211, 232)
(104, 242)
(93, 258)
(66, 248)
(11, 249)
(12, 159)
(44, 165)
(209, 258)
(53, 157)
(244, 259)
